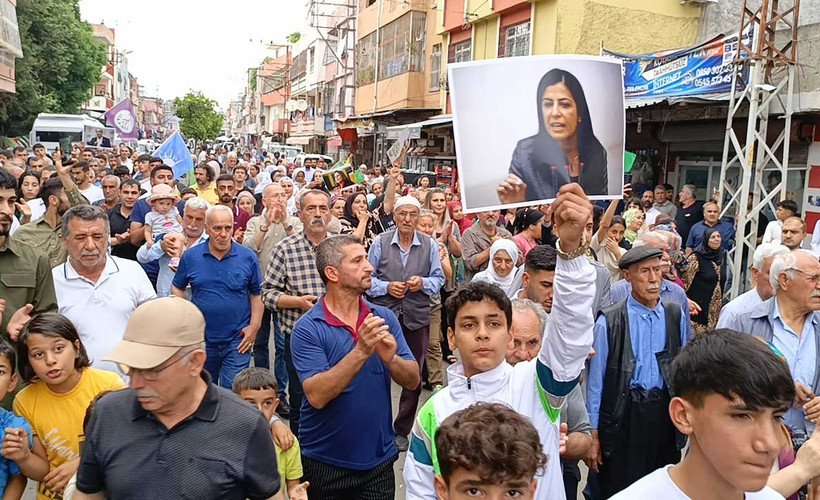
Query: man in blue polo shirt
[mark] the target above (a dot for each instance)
(345, 351)
(711, 219)
(226, 286)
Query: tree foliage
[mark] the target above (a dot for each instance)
(294, 37)
(61, 63)
(200, 120)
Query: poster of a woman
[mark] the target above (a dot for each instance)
(573, 104)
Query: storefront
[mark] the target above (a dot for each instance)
(431, 151)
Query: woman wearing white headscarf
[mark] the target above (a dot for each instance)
(263, 180)
(501, 269)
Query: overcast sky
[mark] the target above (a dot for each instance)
(207, 45)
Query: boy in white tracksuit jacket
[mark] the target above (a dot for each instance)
(535, 388)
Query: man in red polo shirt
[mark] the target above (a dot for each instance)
(345, 351)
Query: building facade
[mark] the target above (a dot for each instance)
(10, 45)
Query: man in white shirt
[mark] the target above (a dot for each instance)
(743, 304)
(731, 392)
(96, 291)
(785, 209)
(650, 212)
(84, 178)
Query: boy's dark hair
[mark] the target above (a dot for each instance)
(491, 440)
(788, 205)
(49, 324)
(668, 187)
(187, 190)
(7, 350)
(477, 291)
(144, 157)
(255, 379)
(121, 170)
(83, 165)
(734, 365)
(540, 258)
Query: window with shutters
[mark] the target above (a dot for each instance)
(514, 40)
(435, 67)
(459, 52)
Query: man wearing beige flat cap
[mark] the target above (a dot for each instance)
(173, 434)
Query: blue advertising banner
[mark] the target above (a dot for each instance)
(703, 69)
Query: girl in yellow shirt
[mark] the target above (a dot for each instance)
(49, 348)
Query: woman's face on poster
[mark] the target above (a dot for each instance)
(560, 112)
(339, 178)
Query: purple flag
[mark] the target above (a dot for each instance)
(124, 120)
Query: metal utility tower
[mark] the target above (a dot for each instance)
(771, 57)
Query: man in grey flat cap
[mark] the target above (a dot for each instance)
(628, 394)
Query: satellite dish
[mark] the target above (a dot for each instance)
(291, 105)
(301, 105)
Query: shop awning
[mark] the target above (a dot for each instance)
(299, 140)
(415, 128)
(693, 99)
(361, 121)
(334, 142)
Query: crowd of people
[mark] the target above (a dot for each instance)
(260, 317)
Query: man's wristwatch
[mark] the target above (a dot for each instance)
(289, 228)
(581, 250)
(264, 229)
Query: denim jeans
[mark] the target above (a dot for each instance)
(295, 390)
(261, 350)
(224, 362)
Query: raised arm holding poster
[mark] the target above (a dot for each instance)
(395, 153)
(560, 119)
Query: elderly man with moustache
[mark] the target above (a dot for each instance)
(292, 284)
(789, 321)
(96, 291)
(628, 390)
(173, 433)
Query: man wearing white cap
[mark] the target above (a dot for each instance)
(174, 434)
(407, 271)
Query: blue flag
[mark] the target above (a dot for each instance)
(175, 154)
